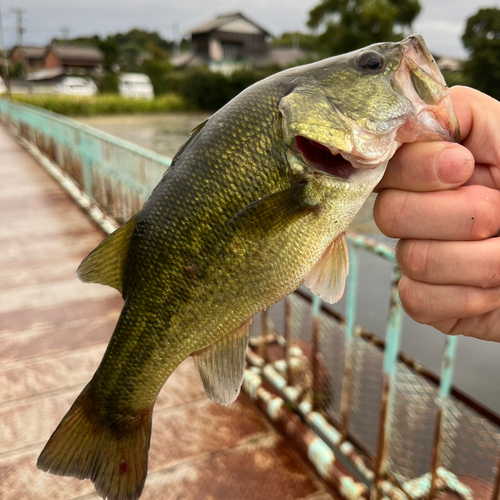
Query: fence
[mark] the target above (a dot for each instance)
(373, 422)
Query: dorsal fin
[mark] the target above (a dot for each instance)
(327, 278)
(221, 366)
(105, 264)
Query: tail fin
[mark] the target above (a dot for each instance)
(115, 461)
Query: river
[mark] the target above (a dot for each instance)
(477, 370)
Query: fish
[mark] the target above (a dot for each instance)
(255, 203)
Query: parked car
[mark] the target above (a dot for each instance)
(3, 87)
(76, 85)
(136, 86)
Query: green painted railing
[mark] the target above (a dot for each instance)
(373, 422)
(115, 175)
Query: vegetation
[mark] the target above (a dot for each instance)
(456, 78)
(296, 39)
(347, 25)
(210, 91)
(482, 39)
(103, 104)
(135, 51)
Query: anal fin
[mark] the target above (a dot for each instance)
(327, 278)
(221, 366)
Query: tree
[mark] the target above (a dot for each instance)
(351, 24)
(482, 40)
(295, 39)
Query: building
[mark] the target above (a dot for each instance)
(449, 63)
(233, 41)
(73, 59)
(31, 58)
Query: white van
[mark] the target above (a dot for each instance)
(76, 85)
(3, 87)
(135, 86)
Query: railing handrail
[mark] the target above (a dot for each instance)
(91, 131)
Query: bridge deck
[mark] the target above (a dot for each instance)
(53, 332)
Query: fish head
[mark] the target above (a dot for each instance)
(347, 115)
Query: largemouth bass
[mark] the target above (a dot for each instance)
(255, 203)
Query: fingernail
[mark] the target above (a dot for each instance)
(455, 165)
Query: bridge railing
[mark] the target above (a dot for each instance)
(372, 421)
(114, 175)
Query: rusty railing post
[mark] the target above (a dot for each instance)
(262, 350)
(316, 307)
(352, 292)
(393, 339)
(288, 338)
(444, 395)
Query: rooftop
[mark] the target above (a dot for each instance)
(222, 21)
(76, 52)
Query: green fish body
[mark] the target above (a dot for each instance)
(255, 203)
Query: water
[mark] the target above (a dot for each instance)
(477, 370)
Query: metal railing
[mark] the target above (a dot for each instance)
(113, 175)
(372, 421)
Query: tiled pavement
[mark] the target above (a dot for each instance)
(53, 331)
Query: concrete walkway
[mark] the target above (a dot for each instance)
(53, 332)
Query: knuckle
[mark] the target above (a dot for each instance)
(484, 222)
(491, 273)
(413, 257)
(387, 212)
(411, 300)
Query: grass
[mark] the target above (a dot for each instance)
(104, 104)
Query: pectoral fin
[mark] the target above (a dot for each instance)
(221, 366)
(274, 212)
(327, 278)
(106, 264)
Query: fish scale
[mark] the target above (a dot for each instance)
(256, 201)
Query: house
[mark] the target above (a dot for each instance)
(449, 63)
(230, 42)
(31, 58)
(73, 59)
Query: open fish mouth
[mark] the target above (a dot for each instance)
(414, 105)
(320, 157)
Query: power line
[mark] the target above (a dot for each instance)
(20, 29)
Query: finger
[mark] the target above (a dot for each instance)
(484, 176)
(478, 114)
(468, 213)
(471, 263)
(484, 327)
(431, 166)
(437, 304)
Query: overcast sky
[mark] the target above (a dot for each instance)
(441, 22)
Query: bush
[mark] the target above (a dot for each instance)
(104, 104)
(210, 91)
(108, 84)
(456, 78)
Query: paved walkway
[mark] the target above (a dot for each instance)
(53, 332)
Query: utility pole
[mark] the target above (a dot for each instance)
(175, 36)
(19, 24)
(64, 32)
(5, 61)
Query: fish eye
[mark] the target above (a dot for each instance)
(371, 61)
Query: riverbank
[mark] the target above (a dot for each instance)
(105, 104)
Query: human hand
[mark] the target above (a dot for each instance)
(443, 201)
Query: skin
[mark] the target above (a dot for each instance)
(443, 201)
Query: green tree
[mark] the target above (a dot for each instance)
(157, 68)
(347, 25)
(295, 39)
(482, 40)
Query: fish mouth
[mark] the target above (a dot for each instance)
(419, 79)
(321, 159)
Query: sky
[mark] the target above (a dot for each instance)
(441, 22)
